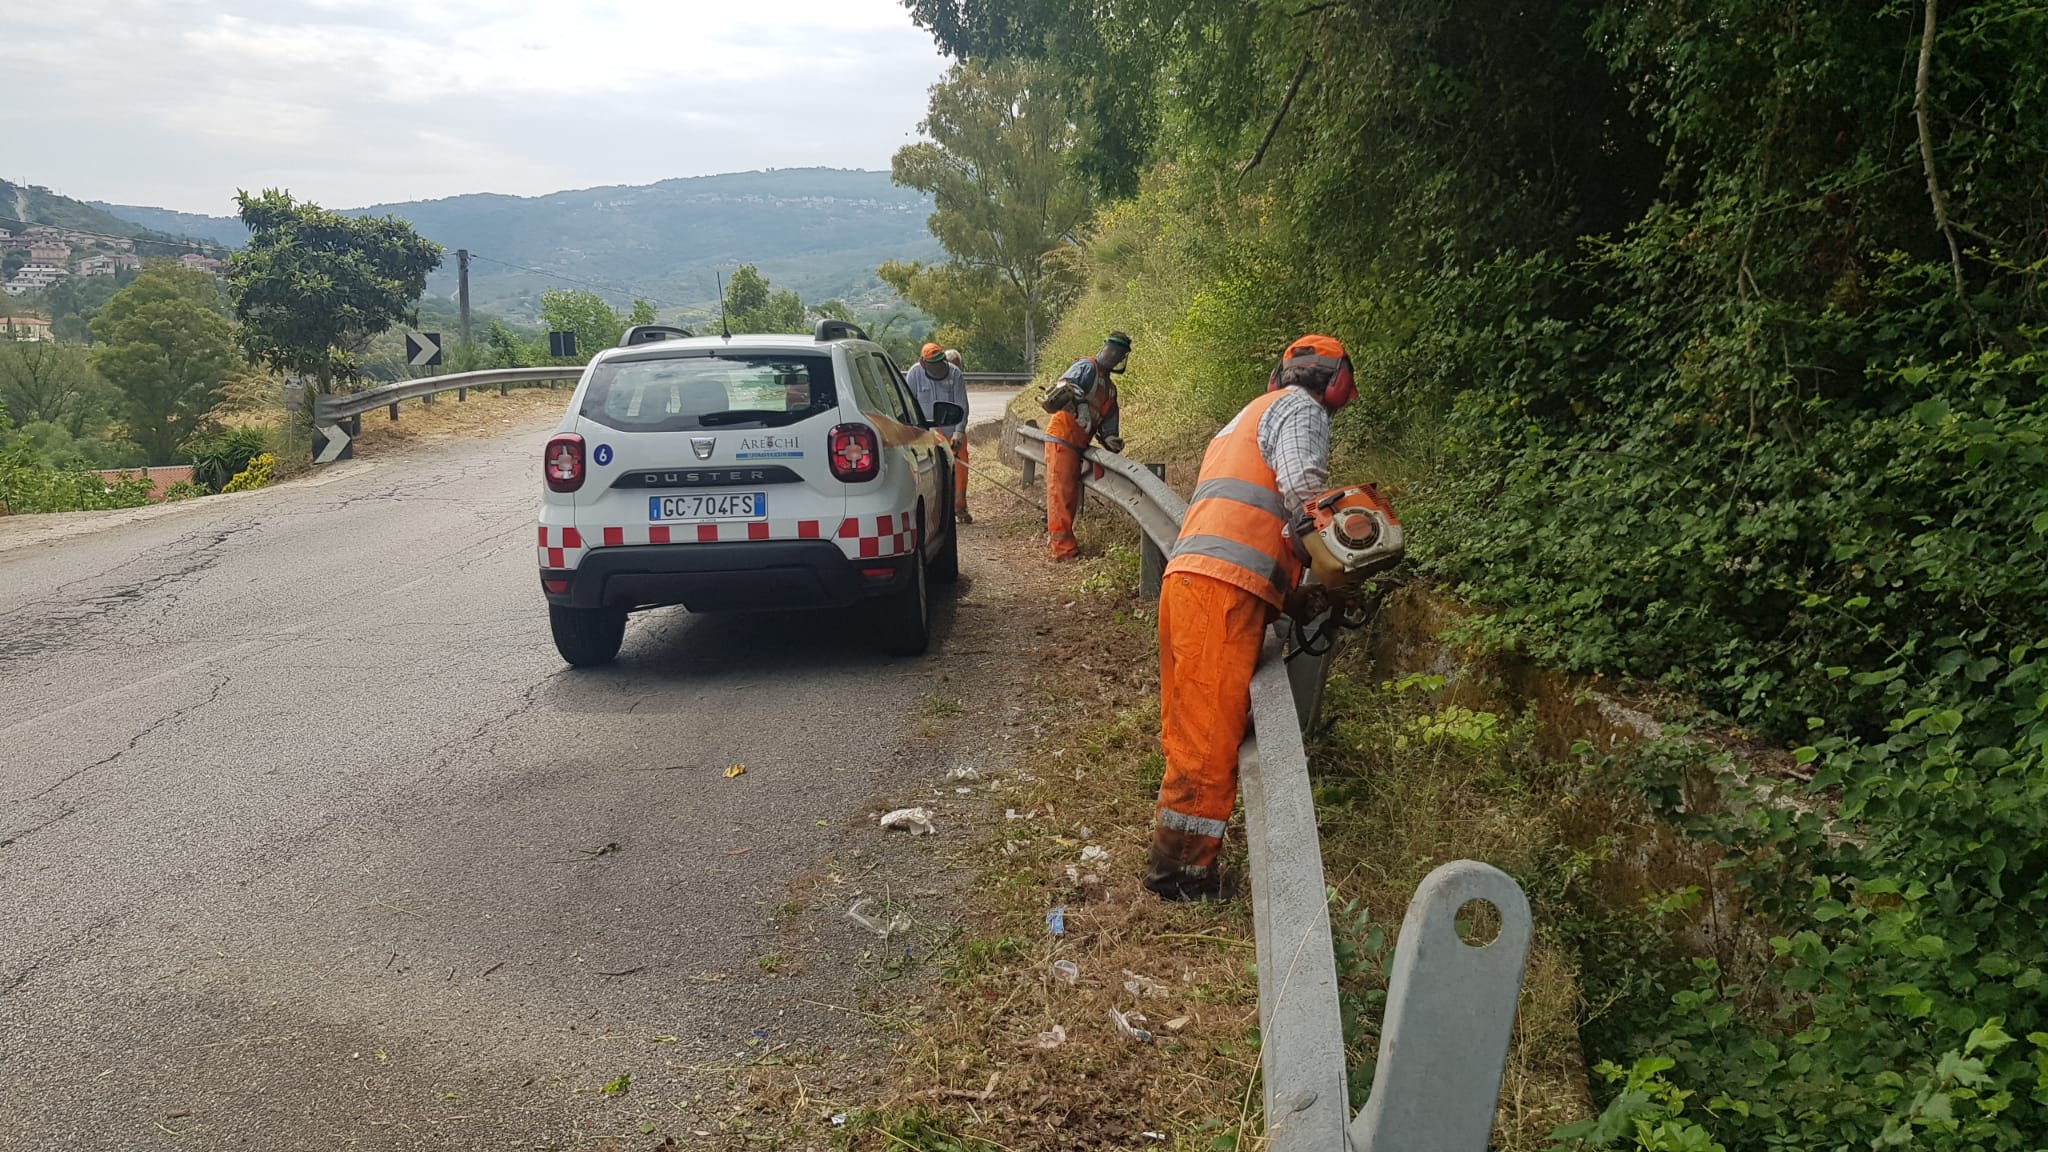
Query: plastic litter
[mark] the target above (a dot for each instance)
(1054, 1038)
(964, 774)
(1128, 1025)
(735, 770)
(916, 821)
(962, 791)
(897, 923)
(1139, 985)
(1056, 921)
(1086, 832)
(1095, 854)
(1176, 1024)
(1067, 970)
(1155, 1135)
(839, 1119)
(1009, 847)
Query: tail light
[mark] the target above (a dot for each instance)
(562, 463)
(855, 453)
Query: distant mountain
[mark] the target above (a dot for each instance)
(24, 204)
(821, 231)
(226, 231)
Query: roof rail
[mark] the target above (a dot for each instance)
(649, 333)
(838, 330)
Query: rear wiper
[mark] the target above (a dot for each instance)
(737, 416)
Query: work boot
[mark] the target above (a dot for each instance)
(964, 517)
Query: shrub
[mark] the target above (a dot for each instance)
(256, 475)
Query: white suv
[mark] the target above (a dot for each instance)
(743, 472)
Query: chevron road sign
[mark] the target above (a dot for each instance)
(423, 349)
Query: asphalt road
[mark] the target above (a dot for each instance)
(308, 839)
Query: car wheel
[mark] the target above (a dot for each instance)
(587, 636)
(946, 565)
(906, 615)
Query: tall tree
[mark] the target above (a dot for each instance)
(586, 314)
(166, 343)
(642, 313)
(1008, 196)
(312, 280)
(46, 382)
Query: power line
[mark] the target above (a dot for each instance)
(650, 297)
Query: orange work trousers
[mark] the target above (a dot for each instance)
(1210, 634)
(960, 473)
(1063, 465)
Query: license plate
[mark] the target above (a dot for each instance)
(711, 506)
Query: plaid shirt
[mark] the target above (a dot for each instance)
(1294, 437)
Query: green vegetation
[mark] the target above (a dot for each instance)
(166, 344)
(1704, 342)
(1009, 198)
(312, 280)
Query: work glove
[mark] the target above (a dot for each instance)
(1114, 444)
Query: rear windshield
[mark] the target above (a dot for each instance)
(725, 390)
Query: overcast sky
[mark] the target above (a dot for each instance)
(176, 103)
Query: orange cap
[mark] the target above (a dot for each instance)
(931, 352)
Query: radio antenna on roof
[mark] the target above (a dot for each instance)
(723, 327)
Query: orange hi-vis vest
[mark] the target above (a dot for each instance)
(1235, 528)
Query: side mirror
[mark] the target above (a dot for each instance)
(945, 413)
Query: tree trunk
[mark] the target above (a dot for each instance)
(1934, 192)
(1030, 331)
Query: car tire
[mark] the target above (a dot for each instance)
(946, 565)
(906, 615)
(587, 636)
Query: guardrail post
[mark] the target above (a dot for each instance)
(1151, 561)
(1306, 676)
(1450, 1014)
(461, 394)
(394, 411)
(504, 389)
(428, 399)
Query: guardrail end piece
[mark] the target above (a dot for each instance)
(1450, 1014)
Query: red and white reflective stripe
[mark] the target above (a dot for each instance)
(878, 536)
(563, 549)
(860, 537)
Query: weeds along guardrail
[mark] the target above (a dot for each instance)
(338, 417)
(1450, 1008)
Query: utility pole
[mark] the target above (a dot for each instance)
(462, 290)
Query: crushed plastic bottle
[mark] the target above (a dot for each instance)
(1128, 1025)
(1053, 1039)
(1067, 971)
(1139, 985)
(897, 923)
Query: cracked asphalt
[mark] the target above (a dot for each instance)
(308, 839)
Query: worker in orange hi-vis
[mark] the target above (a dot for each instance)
(1083, 406)
(960, 512)
(1232, 571)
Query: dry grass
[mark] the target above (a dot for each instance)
(485, 413)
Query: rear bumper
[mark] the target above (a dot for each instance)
(738, 576)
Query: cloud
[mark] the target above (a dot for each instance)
(348, 102)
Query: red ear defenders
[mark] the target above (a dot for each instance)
(1321, 352)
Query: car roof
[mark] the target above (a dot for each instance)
(753, 341)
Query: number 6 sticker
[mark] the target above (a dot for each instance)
(603, 455)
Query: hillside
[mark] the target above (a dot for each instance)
(821, 231)
(22, 204)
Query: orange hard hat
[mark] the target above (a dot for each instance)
(931, 352)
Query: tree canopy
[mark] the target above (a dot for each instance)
(1008, 196)
(311, 280)
(166, 343)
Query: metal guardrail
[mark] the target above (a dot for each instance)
(331, 439)
(1018, 378)
(1450, 1005)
